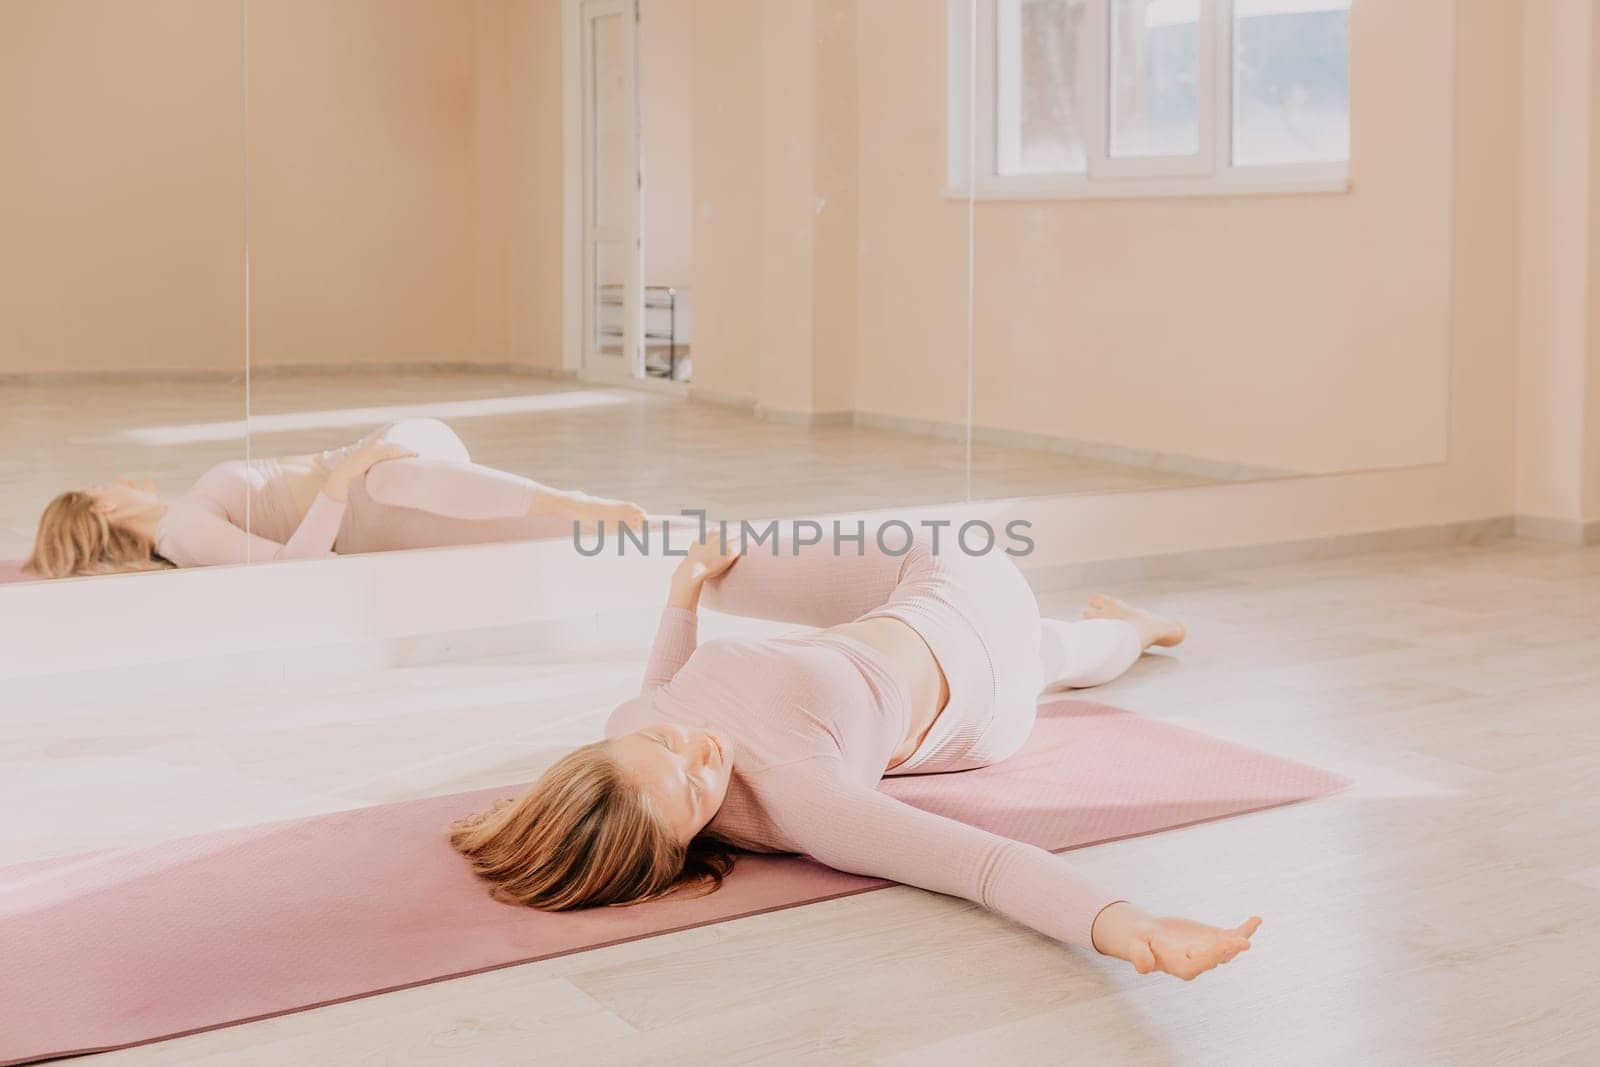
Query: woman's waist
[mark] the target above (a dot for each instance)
(888, 642)
(893, 659)
(300, 479)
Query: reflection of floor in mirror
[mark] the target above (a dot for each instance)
(645, 446)
(1443, 909)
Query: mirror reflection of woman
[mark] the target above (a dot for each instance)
(411, 484)
(926, 663)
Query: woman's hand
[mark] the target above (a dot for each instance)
(1180, 947)
(373, 450)
(705, 560)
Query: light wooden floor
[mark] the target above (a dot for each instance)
(1445, 910)
(661, 451)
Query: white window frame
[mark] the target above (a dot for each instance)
(971, 129)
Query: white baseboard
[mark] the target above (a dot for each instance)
(1144, 459)
(804, 418)
(1141, 458)
(737, 401)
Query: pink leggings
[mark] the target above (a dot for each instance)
(438, 498)
(977, 614)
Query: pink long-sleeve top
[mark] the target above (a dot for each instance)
(207, 525)
(816, 717)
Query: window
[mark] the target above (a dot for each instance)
(1291, 82)
(1155, 79)
(1148, 97)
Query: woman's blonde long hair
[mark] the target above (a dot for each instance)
(583, 836)
(74, 539)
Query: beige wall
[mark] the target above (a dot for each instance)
(518, 217)
(727, 154)
(1558, 357)
(911, 338)
(405, 183)
(1588, 443)
(120, 186)
(775, 194)
(837, 224)
(1554, 287)
(666, 86)
(362, 181)
(787, 135)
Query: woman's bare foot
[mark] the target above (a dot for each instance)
(588, 510)
(618, 512)
(1153, 629)
(1180, 947)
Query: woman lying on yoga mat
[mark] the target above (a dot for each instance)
(410, 484)
(928, 662)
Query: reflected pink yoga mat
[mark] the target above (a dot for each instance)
(133, 945)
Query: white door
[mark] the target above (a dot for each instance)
(612, 274)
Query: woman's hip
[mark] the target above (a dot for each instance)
(979, 617)
(973, 604)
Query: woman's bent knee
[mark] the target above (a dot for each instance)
(429, 439)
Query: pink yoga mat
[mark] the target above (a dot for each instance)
(11, 571)
(134, 945)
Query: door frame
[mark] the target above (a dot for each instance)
(578, 123)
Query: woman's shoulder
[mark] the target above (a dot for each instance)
(779, 777)
(752, 811)
(228, 472)
(766, 806)
(629, 716)
(216, 491)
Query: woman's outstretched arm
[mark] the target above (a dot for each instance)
(199, 536)
(860, 830)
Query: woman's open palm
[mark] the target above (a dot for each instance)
(1186, 948)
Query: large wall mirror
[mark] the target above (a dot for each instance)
(616, 247)
(767, 260)
(1215, 244)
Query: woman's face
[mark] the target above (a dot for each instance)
(685, 771)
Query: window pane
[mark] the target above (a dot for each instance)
(1291, 96)
(1039, 111)
(1155, 77)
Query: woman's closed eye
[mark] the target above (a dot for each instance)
(695, 788)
